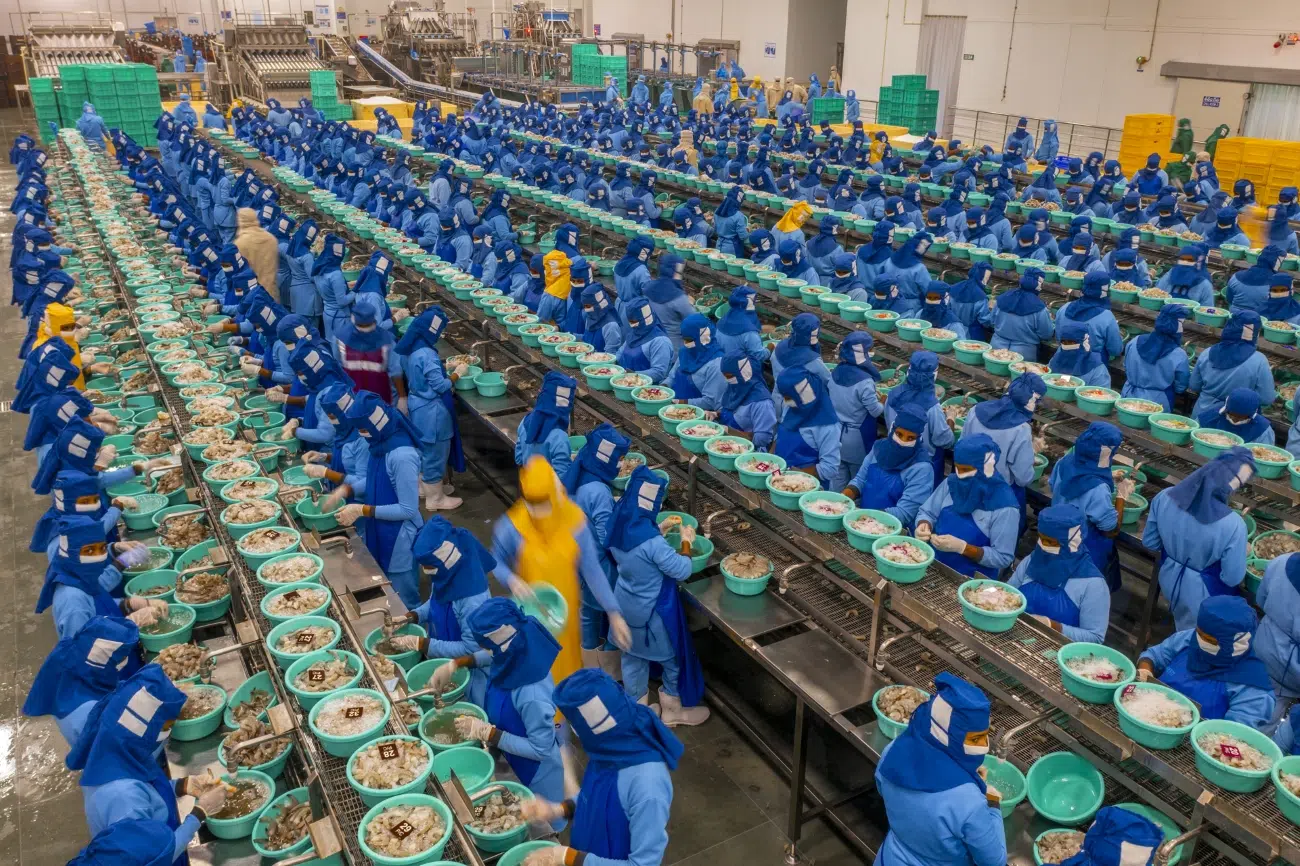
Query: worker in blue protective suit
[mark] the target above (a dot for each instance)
(545, 430)
(1050, 146)
(649, 569)
(1232, 363)
(895, 477)
(632, 272)
(936, 224)
(1027, 244)
(454, 242)
(730, 224)
(763, 249)
(970, 302)
(1279, 216)
(1281, 305)
(1129, 211)
(1188, 277)
(852, 390)
(972, 519)
(277, 115)
(1277, 642)
(739, 328)
(1165, 214)
(588, 483)
(874, 257)
(620, 814)
(81, 670)
(440, 185)
(1248, 289)
(212, 117)
(668, 299)
(184, 112)
(1062, 585)
(977, 230)
(696, 375)
(917, 394)
(1079, 254)
(647, 348)
(1021, 138)
(1243, 194)
(794, 264)
(1093, 312)
(1043, 188)
(1077, 356)
(1151, 178)
(132, 842)
(747, 407)
(121, 777)
(808, 437)
(644, 192)
(823, 247)
(600, 321)
(1240, 415)
(871, 204)
(92, 126)
(801, 349)
(941, 812)
(906, 268)
(1225, 230)
(1008, 422)
(344, 460)
(431, 406)
(496, 217)
(1200, 539)
(1155, 364)
(1212, 661)
(1118, 837)
(391, 498)
(327, 275)
(1083, 479)
(936, 308)
(844, 279)
(304, 299)
(1021, 321)
(640, 94)
(50, 400)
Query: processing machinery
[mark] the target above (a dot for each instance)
(54, 45)
(271, 61)
(423, 38)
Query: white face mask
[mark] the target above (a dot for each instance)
(1052, 549)
(789, 404)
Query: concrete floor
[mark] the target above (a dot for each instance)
(729, 805)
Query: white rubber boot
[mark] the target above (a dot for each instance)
(591, 658)
(611, 662)
(673, 713)
(448, 488)
(426, 489)
(645, 702)
(438, 501)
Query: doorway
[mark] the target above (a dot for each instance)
(942, 37)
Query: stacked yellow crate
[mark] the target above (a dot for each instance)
(1145, 134)
(1268, 164)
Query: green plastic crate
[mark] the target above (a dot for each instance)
(143, 72)
(100, 72)
(828, 108)
(41, 85)
(909, 82)
(920, 98)
(584, 48)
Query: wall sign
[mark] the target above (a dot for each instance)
(769, 49)
(968, 57)
(595, 29)
(1210, 101)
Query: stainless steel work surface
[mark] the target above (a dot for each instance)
(829, 675)
(747, 616)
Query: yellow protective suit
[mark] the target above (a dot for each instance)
(555, 274)
(795, 217)
(60, 320)
(549, 553)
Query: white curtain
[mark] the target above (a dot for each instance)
(940, 61)
(1273, 112)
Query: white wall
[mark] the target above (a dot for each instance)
(813, 31)
(1073, 60)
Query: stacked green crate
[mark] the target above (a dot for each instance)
(46, 106)
(591, 69)
(908, 103)
(325, 93)
(73, 92)
(828, 108)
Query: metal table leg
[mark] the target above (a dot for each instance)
(799, 766)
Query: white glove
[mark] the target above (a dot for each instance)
(551, 855)
(461, 370)
(211, 307)
(290, 426)
(198, 292)
(1125, 489)
(471, 728)
(401, 405)
(314, 470)
(442, 675)
(216, 328)
(315, 457)
(212, 800)
(538, 810)
(619, 632)
(87, 357)
(126, 503)
(249, 366)
(143, 617)
(923, 531)
(521, 590)
(275, 395)
(688, 534)
(101, 369)
(710, 416)
(1045, 620)
(947, 543)
(104, 459)
(332, 500)
(158, 606)
(406, 642)
(1145, 675)
(349, 514)
(80, 334)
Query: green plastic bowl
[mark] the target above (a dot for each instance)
(984, 620)
(239, 530)
(863, 541)
(158, 577)
(1007, 778)
(1092, 691)
(1152, 736)
(260, 680)
(1214, 317)
(670, 425)
(695, 444)
(788, 501)
(830, 302)
(255, 560)
(757, 480)
(601, 382)
(343, 747)
(457, 709)
(549, 606)
(1206, 449)
(215, 484)
(970, 351)
(910, 329)
(1272, 467)
(1287, 803)
(296, 476)
(225, 490)
(413, 798)
(284, 659)
(1158, 425)
(185, 730)
(625, 393)
(1285, 336)
(1232, 778)
(854, 311)
(496, 842)
(726, 462)
(241, 828)
(1294, 470)
(141, 519)
(181, 634)
(375, 796)
(686, 519)
(418, 677)
(701, 550)
(1131, 415)
(1269, 534)
(745, 585)
(185, 561)
(307, 699)
(820, 522)
(1065, 788)
(404, 660)
(274, 619)
(652, 406)
(272, 436)
(267, 815)
(888, 726)
(939, 345)
(1000, 368)
(516, 855)
(1134, 507)
(896, 571)
(1096, 405)
(883, 321)
(490, 384)
(620, 481)
(309, 514)
(474, 767)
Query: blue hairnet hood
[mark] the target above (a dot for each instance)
(425, 330)
(812, 404)
(124, 730)
(82, 667)
(1204, 494)
(855, 360)
(1068, 558)
(985, 489)
(744, 382)
(699, 344)
(1166, 336)
(598, 459)
(1237, 340)
(312, 362)
(1080, 360)
(891, 452)
(384, 428)
(802, 346)
(1244, 403)
(1024, 300)
(945, 742)
(741, 316)
(75, 448)
(456, 562)
(917, 390)
(1014, 408)
(522, 649)
(634, 519)
(1088, 465)
(612, 728)
(1118, 837)
(552, 409)
(1223, 647)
